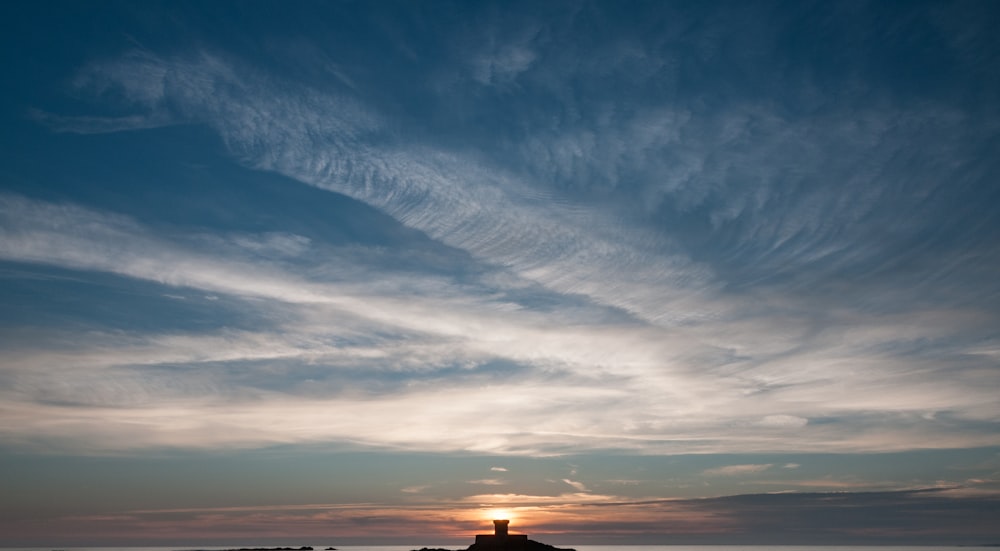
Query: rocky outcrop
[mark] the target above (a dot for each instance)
(529, 545)
(501, 540)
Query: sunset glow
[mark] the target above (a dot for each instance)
(500, 514)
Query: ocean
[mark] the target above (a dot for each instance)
(577, 547)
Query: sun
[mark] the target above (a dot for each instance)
(498, 514)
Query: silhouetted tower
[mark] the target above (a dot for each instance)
(500, 540)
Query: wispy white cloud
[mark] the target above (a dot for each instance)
(503, 60)
(100, 125)
(516, 500)
(488, 482)
(735, 470)
(620, 385)
(320, 140)
(578, 486)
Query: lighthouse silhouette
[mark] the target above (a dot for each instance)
(500, 528)
(500, 539)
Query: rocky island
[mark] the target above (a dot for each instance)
(500, 540)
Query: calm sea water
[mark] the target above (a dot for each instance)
(577, 547)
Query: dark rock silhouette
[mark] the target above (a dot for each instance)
(501, 540)
(303, 548)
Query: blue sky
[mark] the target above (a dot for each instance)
(651, 272)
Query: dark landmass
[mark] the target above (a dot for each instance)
(303, 548)
(531, 545)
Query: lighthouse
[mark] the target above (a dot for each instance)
(500, 528)
(500, 539)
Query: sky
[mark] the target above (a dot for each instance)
(378, 272)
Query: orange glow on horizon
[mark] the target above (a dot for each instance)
(498, 514)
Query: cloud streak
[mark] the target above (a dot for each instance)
(734, 470)
(327, 334)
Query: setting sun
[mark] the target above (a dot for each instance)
(498, 514)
